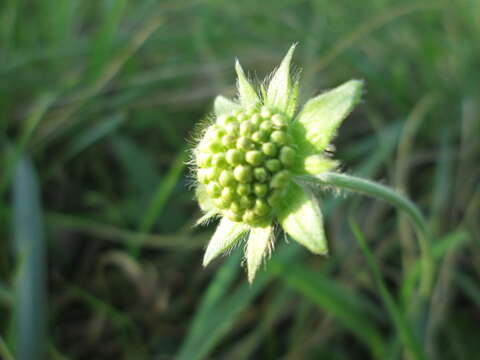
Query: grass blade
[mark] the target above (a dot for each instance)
(334, 300)
(399, 319)
(31, 301)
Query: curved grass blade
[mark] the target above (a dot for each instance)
(399, 319)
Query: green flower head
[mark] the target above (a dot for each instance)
(252, 155)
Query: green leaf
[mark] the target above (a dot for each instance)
(246, 93)
(322, 115)
(280, 88)
(30, 249)
(226, 235)
(301, 218)
(225, 106)
(259, 244)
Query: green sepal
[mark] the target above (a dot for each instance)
(301, 218)
(204, 200)
(246, 93)
(293, 99)
(319, 119)
(317, 164)
(224, 106)
(225, 237)
(260, 242)
(206, 217)
(280, 89)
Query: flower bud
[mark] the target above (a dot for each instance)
(244, 161)
(260, 174)
(254, 157)
(260, 189)
(243, 173)
(226, 178)
(269, 149)
(273, 165)
(244, 189)
(214, 189)
(287, 155)
(279, 137)
(234, 157)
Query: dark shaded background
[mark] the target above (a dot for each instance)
(97, 101)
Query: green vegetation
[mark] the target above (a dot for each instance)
(99, 257)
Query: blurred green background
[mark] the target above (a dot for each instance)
(99, 258)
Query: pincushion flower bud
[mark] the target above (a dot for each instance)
(250, 155)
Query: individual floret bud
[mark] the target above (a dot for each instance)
(204, 159)
(254, 157)
(265, 112)
(256, 119)
(246, 128)
(249, 217)
(280, 179)
(219, 160)
(260, 136)
(244, 189)
(243, 173)
(214, 133)
(235, 207)
(202, 176)
(228, 140)
(279, 137)
(241, 117)
(232, 128)
(274, 198)
(287, 155)
(244, 143)
(234, 157)
(267, 126)
(213, 173)
(246, 202)
(220, 203)
(226, 178)
(261, 207)
(279, 120)
(213, 189)
(234, 216)
(260, 189)
(260, 174)
(215, 146)
(269, 149)
(273, 165)
(228, 193)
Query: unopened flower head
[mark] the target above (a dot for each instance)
(245, 161)
(252, 156)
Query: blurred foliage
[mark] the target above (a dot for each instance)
(98, 102)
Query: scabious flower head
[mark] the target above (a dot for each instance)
(252, 155)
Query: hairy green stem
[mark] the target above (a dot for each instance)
(352, 183)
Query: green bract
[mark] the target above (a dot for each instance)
(249, 158)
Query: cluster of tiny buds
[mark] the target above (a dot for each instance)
(244, 160)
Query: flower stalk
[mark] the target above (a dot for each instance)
(375, 190)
